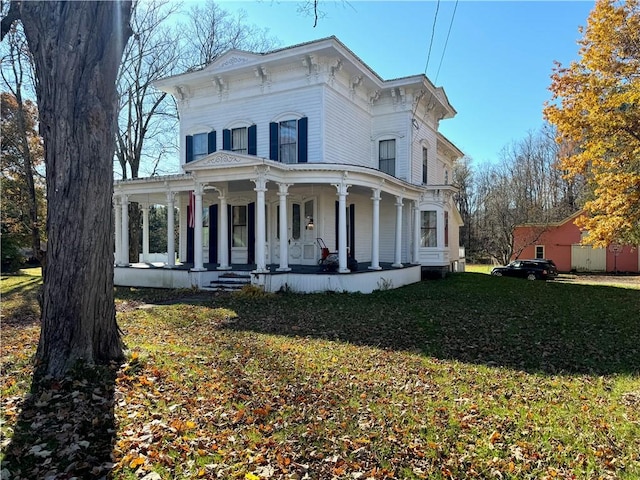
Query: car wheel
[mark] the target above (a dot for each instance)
(496, 274)
(531, 276)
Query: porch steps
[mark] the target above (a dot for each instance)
(231, 281)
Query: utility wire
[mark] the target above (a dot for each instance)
(433, 34)
(453, 15)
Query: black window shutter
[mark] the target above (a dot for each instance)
(189, 149)
(273, 141)
(252, 141)
(229, 228)
(213, 233)
(211, 139)
(226, 139)
(251, 233)
(190, 242)
(302, 140)
(337, 225)
(352, 230)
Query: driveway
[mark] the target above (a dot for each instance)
(627, 281)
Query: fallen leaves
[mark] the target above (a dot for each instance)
(200, 397)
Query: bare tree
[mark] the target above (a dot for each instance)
(463, 179)
(146, 115)
(525, 186)
(214, 30)
(77, 48)
(17, 76)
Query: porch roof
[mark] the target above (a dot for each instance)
(224, 166)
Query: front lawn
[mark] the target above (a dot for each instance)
(468, 377)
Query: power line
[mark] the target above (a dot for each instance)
(433, 34)
(453, 15)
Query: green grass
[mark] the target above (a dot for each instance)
(468, 377)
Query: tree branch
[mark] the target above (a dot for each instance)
(12, 15)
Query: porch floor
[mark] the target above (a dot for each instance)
(363, 267)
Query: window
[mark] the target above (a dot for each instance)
(200, 146)
(446, 229)
(308, 215)
(539, 251)
(295, 221)
(446, 176)
(429, 236)
(424, 165)
(239, 233)
(205, 225)
(387, 156)
(239, 140)
(288, 141)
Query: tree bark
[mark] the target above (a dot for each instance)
(77, 47)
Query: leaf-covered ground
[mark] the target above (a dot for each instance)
(468, 377)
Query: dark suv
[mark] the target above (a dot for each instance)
(539, 269)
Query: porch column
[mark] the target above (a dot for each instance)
(398, 256)
(284, 236)
(171, 240)
(416, 232)
(261, 188)
(198, 266)
(118, 222)
(375, 231)
(124, 203)
(145, 232)
(223, 233)
(342, 227)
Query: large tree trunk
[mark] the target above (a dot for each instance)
(77, 47)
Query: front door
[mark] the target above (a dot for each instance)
(301, 232)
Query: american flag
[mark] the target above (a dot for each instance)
(191, 217)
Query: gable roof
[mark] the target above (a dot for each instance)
(559, 223)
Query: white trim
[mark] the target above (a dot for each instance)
(283, 117)
(387, 136)
(239, 124)
(198, 129)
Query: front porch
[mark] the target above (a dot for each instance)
(301, 278)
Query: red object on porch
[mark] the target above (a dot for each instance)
(324, 250)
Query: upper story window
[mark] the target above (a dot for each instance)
(288, 140)
(239, 140)
(425, 158)
(387, 156)
(446, 176)
(200, 146)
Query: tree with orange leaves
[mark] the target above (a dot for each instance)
(596, 107)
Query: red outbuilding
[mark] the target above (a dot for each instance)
(560, 242)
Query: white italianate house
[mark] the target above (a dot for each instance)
(288, 156)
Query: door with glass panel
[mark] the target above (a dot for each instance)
(239, 234)
(301, 231)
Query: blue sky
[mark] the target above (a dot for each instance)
(496, 65)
